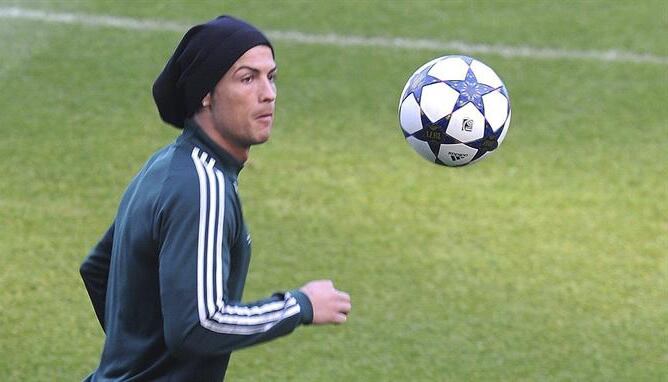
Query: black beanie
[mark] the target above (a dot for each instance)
(206, 52)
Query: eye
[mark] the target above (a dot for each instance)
(247, 79)
(272, 77)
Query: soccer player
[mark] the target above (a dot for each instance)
(166, 279)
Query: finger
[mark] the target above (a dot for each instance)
(340, 318)
(345, 308)
(343, 296)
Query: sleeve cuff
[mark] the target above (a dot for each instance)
(305, 306)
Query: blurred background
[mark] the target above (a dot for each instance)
(546, 261)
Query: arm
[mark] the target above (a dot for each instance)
(195, 236)
(95, 271)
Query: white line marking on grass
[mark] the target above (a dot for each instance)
(464, 47)
(92, 20)
(343, 40)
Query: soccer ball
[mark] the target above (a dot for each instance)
(454, 110)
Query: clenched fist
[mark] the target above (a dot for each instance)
(330, 306)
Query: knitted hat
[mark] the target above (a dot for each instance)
(206, 52)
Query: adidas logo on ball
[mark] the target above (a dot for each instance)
(457, 156)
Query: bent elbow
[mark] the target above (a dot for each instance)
(197, 343)
(183, 344)
(85, 269)
(177, 345)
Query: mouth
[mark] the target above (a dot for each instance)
(265, 116)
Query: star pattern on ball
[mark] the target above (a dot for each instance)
(470, 90)
(419, 81)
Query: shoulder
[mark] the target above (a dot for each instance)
(194, 177)
(196, 193)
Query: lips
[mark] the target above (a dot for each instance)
(267, 115)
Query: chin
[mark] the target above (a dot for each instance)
(263, 135)
(260, 139)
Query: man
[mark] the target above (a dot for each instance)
(166, 279)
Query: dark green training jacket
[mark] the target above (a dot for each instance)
(166, 279)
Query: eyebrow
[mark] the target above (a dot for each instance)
(254, 70)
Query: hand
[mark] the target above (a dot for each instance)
(330, 306)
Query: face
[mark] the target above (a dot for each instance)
(242, 103)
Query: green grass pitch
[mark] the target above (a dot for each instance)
(547, 261)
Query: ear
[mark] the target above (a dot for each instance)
(206, 101)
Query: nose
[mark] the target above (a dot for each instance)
(268, 91)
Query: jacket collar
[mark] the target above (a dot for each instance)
(193, 131)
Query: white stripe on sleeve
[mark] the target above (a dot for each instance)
(202, 231)
(210, 236)
(219, 241)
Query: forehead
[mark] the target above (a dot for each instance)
(259, 57)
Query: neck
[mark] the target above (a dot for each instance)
(208, 127)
